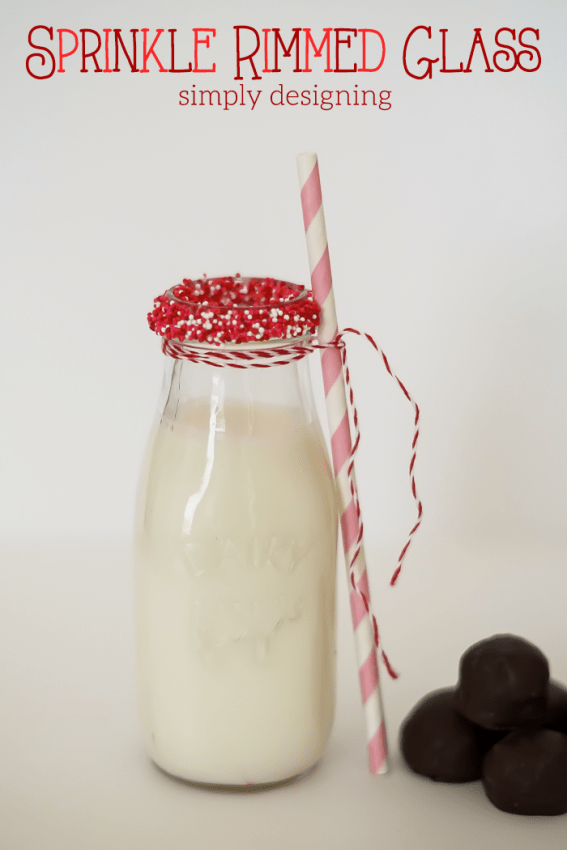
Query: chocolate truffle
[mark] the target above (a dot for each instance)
(439, 743)
(503, 683)
(526, 773)
(555, 716)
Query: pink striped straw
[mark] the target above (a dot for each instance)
(341, 447)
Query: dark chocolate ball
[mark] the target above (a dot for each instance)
(555, 716)
(439, 743)
(503, 683)
(526, 773)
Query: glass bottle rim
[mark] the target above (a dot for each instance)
(301, 294)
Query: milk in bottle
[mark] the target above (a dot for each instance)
(235, 577)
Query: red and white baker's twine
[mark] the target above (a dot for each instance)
(264, 358)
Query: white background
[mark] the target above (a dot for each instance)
(446, 221)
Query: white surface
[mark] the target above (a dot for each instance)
(73, 772)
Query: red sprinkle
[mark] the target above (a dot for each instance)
(228, 310)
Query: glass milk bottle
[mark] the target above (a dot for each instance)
(235, 566)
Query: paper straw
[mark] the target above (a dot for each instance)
(341, 445)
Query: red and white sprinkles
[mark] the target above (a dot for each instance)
(231, 310)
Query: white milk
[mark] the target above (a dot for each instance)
(236, 556)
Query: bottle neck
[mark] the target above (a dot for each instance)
(187, 383)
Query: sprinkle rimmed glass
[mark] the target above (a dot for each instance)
(235, 568)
